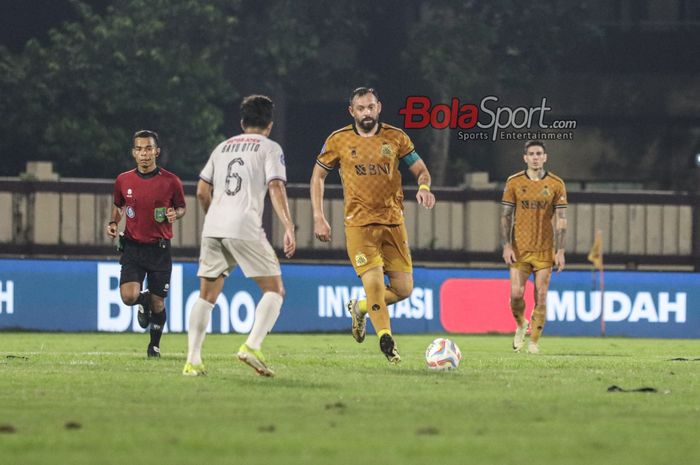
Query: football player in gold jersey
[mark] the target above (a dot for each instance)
(368, 153)
(532, 240)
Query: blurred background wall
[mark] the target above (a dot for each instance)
(78, 78)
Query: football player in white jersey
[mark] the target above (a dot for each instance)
(231, 190)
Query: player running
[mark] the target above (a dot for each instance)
(152, 199)
(231, 190)
(368, 152)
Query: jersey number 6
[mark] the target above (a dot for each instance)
(232, 174)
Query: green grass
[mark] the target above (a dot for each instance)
(337, 402)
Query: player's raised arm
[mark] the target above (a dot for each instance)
(506, 231)
(278, 197)
(322, 230)
(423, 196)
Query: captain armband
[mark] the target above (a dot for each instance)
(411, 158)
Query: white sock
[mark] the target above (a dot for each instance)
(266, 314)
(199, 320)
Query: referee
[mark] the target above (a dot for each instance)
(152, 199)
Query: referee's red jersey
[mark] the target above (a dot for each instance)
(145, 198)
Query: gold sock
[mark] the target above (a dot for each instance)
(517, 306)
(362, 306)
(539, 316)
(376, 307)
(379, 316)
(373, 282)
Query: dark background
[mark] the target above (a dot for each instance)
(625, 70)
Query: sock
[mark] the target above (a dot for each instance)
(266, 313)
(197, 329)
(539, 316)
(362, 306)
(517, 306)
(144, 299)
(377, 310)
(157, 322)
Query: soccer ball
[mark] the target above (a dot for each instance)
(442, 354)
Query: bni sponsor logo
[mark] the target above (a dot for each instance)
(332, 301)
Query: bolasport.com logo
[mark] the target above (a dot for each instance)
(486, 120)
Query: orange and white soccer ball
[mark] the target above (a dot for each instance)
(442, 354)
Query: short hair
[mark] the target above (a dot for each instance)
(146, 133)
(256, 111)
(360, 91)
(534, 143)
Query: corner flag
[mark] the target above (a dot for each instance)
(595, 255)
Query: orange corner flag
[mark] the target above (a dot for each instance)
(595, 255)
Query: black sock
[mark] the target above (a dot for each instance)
(144, 299)
(157, 323)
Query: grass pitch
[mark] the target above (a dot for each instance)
(95, 398)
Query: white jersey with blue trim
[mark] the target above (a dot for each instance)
(240, 169)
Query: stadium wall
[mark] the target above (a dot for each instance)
(67, 218)
(83, 295)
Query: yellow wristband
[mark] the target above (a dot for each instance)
(424, 187)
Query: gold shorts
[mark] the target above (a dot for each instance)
(529, 262)
(378, 245)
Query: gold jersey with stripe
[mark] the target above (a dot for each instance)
(535, 201)
(369, 170)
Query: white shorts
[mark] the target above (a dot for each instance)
(219, 256)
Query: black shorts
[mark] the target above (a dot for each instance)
(147, 260)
